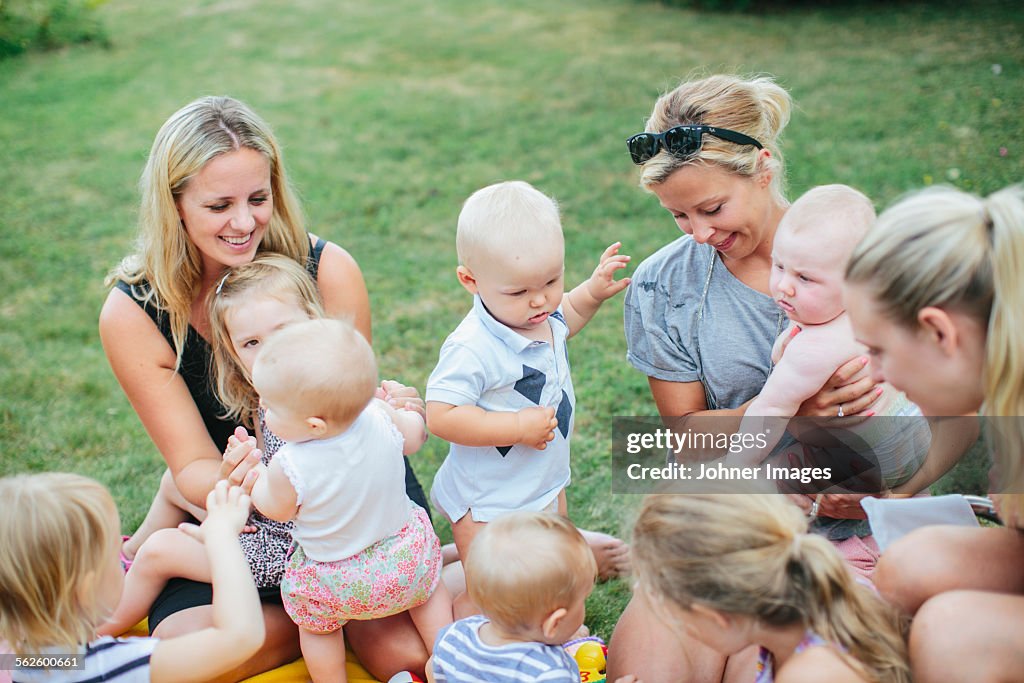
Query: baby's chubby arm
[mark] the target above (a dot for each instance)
(273, 494)
(580, 305)
(471, 425)
(810, 359)
(410, 424)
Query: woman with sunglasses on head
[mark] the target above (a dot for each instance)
(934, 292)
(699, 319)
(214, 195)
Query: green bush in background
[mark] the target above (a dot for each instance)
(48, 24)
(779, 6)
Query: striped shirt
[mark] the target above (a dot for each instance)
(461, 657)
(125, 660)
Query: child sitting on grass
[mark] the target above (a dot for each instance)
(501, 393)
(530, 574)
(61, 575)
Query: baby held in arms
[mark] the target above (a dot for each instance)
(813, 243)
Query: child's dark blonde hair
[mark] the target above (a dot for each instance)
(270, 275)
(56, 533)
(525, 565)
(326, 368)
(750, 555)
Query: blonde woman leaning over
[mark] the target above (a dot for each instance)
(735, 570)
(711, 155)
(934, 291)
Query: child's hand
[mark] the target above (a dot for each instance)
(240, 457)
(602, 284)
(536, 427)
(227, 510)
(401, 397)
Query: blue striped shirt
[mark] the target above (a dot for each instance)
(124, 660)
(461, 657)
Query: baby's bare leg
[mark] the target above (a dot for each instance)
(433, 615)
(325, 656)
(166, 554)
(463, 532)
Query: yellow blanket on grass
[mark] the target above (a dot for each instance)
(295, 672)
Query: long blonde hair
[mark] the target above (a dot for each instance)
(749, 555)
(166, 267)
(56, 535)
(269, 275)
(950, 249)
(757, 106)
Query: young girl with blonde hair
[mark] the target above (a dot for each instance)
(735, 570)
(934, 292)
(289, 295)
(60, 575)
(250, 304)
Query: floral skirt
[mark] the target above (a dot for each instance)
(391, 576)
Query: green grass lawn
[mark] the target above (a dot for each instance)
(391, 114)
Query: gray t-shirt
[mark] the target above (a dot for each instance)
(688, 319)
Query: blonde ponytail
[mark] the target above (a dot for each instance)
(947, 248)
(746, 554)
(1004, 354)
(842, 611)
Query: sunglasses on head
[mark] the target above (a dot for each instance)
(681, 141)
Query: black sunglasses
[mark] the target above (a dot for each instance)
(681, 141)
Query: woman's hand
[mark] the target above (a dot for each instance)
(833, 505)
(402, 397)
(843, 505)
(854, 397)
(240, 457)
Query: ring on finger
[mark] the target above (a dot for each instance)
(840, 414)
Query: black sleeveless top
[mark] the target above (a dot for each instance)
(197, 356)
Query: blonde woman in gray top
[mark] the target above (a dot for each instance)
(700, 321)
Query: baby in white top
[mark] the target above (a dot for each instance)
(362, 550)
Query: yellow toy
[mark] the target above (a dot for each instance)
(591, 658)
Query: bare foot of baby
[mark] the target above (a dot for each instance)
(612, 554)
